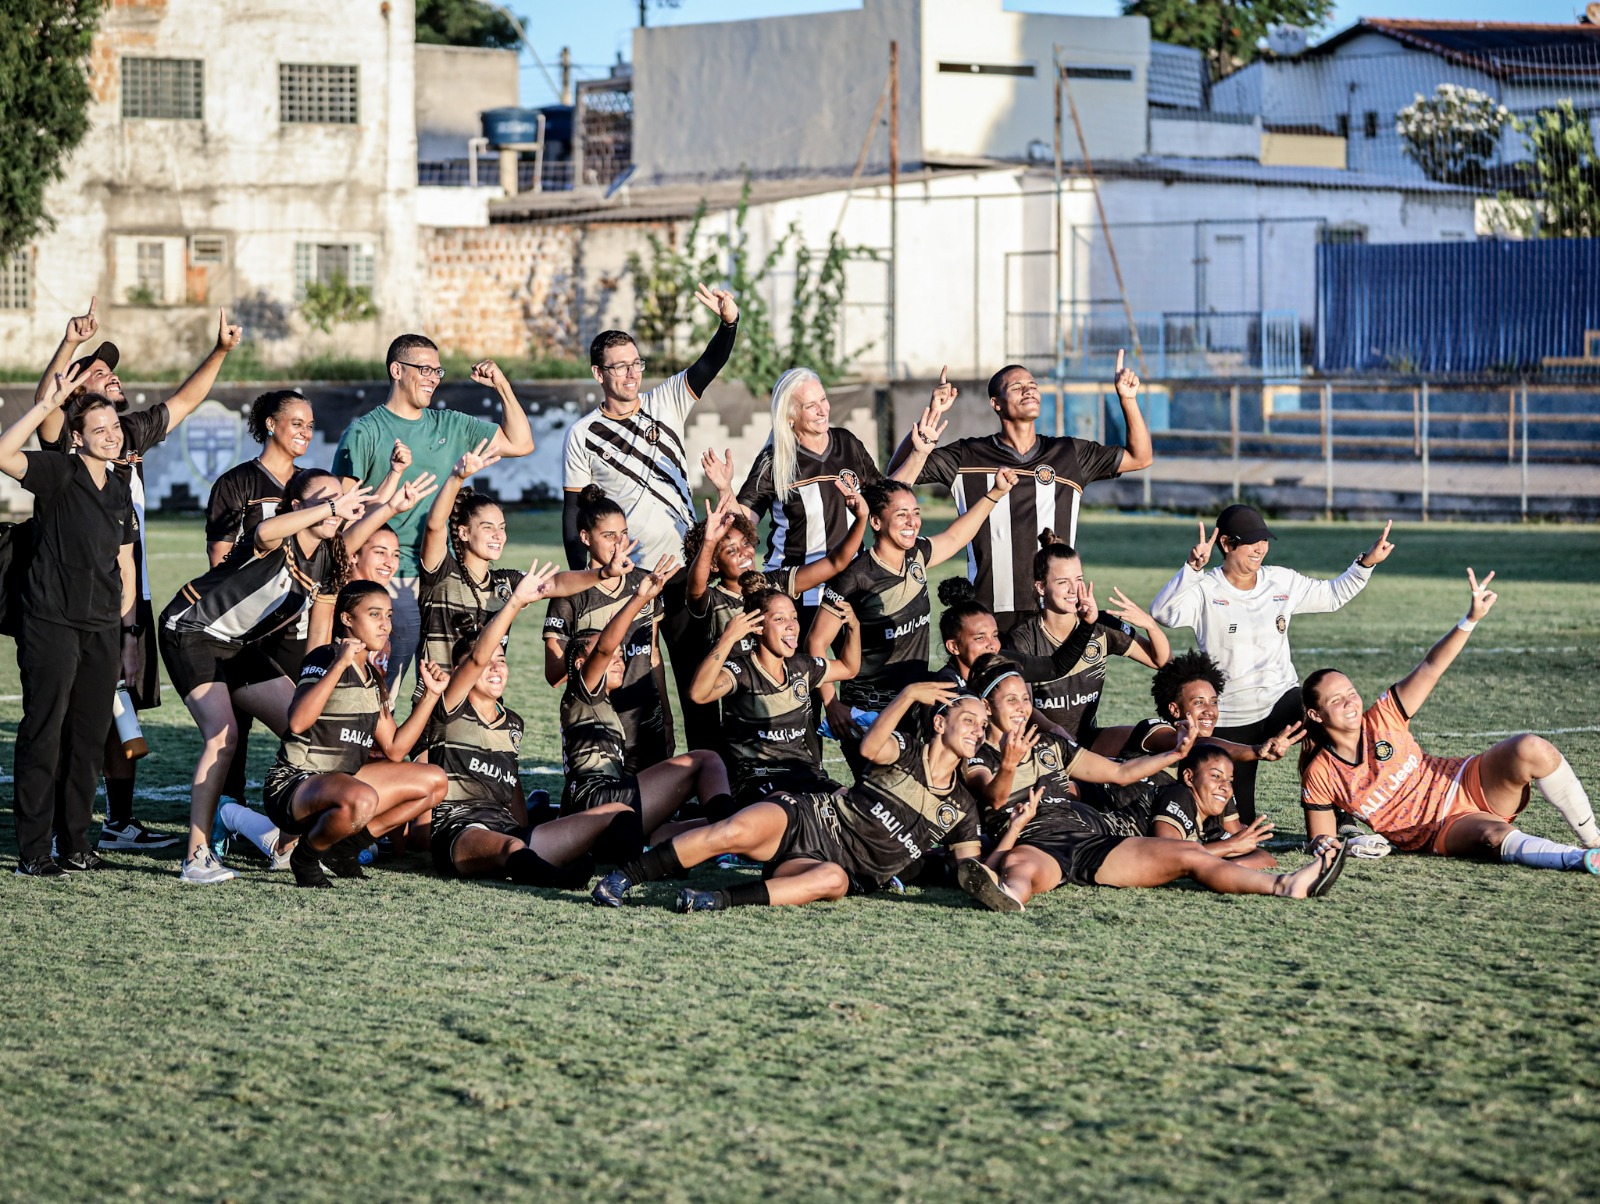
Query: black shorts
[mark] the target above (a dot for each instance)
(277, 800)
(449, 824)
(1080, 860)
(588, 793)
(813, 833)
(752, 789)
(286, 652)
(194, 659)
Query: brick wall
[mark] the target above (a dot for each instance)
(502, 290)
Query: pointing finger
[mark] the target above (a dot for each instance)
(1120, 353)
(944, 375)
(92, 301)
(1387, 527)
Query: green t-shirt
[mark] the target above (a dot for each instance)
(437, 439)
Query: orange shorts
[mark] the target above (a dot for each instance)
(1469, 800)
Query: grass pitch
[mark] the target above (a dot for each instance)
(1429, 1028)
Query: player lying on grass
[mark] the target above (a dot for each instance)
(824, 846)
(1044, 837)
(480, 829)
(1369, 765)
(325, 787)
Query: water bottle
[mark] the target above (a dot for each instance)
(127, 721)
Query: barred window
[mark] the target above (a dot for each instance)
(322, 261)
(16, 281)
(152, 272)
(321, 93)
(164, 89)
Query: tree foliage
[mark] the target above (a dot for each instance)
(1563, 178)
(1452, 135)
(1228, 32)
(44, 103)
(466, 23)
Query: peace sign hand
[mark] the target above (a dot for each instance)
(60, 388)
(1088, 608)
(1483, 598)
(621, 562)
(1129, 611)
(1274, 748)
(414, 491)
(657, 579)
(475, 460)
(1200, 554)
(84, 327)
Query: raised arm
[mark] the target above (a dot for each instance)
(305, 708)
(436, 532)
(79, 331)
(614, 632)
(197, 387)
(912, 455)
(530, 589)
(1138, 451)
(515, 436)
(848, 662)
(879, 745)
(397, 741)
(12, 461)
(1312, 595)
(1092, 767)
(1020, 819)
(376, 515)
(826, 568)
(1413, 690)
(704, 370)
(1180, 602)
(719, 519)
(960, 533)
(1154, 648)
(712, 680)
(273, 531)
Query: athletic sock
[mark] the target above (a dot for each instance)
(252, 825)
(719, 807)
(746, 894)
(527, 868)
(655, 864)
(119, 801)
(1567, 795)
(623, 840)
(1521, 849)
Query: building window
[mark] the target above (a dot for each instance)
(150, 274)
(208, 249)
(1124, 74)
(322, 261)
(163, 89)
(1343, 125)
(1370, 124)
(16, 281)
(1023, 69)
(318, 93)
(1344, 234)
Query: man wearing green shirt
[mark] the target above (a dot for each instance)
(437, 439)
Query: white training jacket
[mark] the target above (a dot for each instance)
(1247, 631)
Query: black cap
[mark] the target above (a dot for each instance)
(106, 353)
(1243, 525)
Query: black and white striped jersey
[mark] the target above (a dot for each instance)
(241, 500)
(813, 517)
(253, 594)
(1053, 474)
(641, 463)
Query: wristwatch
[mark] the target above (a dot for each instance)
(134, 629)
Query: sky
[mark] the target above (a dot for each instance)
(597, 30)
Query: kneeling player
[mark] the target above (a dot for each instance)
(828, 846)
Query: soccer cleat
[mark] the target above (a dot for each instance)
(306, 863)
(1591, 861)
(611, 890)
(983, 884)
(1368, 846)
(40, 867)
(133, 835)
(203, 869)
(696, 900)
(81, 863)
(343, 857)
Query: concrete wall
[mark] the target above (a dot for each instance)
(239, 172)
(454, 85)
(1192, 138)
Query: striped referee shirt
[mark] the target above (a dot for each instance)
(1053, 474)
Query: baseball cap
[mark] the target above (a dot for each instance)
(106, 353)
(1243, 524)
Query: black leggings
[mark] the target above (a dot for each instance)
(1285, 711)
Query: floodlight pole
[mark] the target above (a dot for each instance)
(1060, 341)
(894, 183)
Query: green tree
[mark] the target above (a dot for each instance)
(466, 23)
(1564, 177)
(1229, 32)
(44, 103)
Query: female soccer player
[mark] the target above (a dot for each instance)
(81, 587)
(480, 829)
(213, 633)
(325, 787)
(595, 735)
(1044, 837)
(1369, 765)
(766, 696)
(641, 699)
(821, 847)
(1070, 617)
(1240, 613)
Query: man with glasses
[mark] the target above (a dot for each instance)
(437, 438)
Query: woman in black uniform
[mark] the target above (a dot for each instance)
(325, 786)
(75, 637)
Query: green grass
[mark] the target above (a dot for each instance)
(1429, 1028)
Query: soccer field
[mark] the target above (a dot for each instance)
(1430, 1027)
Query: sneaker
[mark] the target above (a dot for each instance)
(40, 867)
(281, 853)
(81, 863)
(610, 890)
(983, 884)
(1591, 861)
(306, 863)
(1369, 845)
(203, 869)
(133, 835)
(696, 900)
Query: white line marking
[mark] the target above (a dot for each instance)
(1563, 648)
(1543, 731)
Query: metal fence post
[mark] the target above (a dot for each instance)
(1524, 451)
(1425, 451)
(1233, 430)
(1327, 449)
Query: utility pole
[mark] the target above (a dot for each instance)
(566, 75)
(894, 182)
(1060, 340)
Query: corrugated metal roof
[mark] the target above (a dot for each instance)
(1177, 76)
(1506, 49)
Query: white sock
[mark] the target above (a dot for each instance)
(252, 825)
(1567, 795)
(1520, 848)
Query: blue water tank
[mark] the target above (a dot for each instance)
(510, 127)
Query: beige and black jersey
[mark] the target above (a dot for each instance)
(341, 739)
(893, 610)
(1072, 699)
(453, 604)
(591, 610)
(594, 742)
(770, 727)
(720, 604)
(893, 815)
(479, 758)
(253, 594)
(1049, 764)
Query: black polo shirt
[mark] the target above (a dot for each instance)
(78, 529)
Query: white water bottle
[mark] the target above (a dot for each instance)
(127, 721)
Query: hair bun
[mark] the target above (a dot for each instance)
(953, 591)
(591, 493)
(1047, 537)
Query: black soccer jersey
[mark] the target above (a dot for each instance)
(453, 604)
(253, 594)
(591, 610)
(1072, 699)
(594, 743)
(769, 726)
(1053, 474)
(241, 500)
(893, 815)
(1176, 804)
(894, 614)
(479, 758)
(812, 517)
(1049, 764)
(341, 739)
(720, 605)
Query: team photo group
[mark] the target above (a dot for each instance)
(359, 616)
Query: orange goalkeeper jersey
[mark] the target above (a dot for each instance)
(1401, 791)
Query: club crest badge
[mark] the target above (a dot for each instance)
(652, 434)
(1092, 652)
(1045, 475)
(516, 740)
(1049, 758)
(1382, 749)
(918, 573)
(946, 816)
(849, 480)
(1282, 624)
(802, 689)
